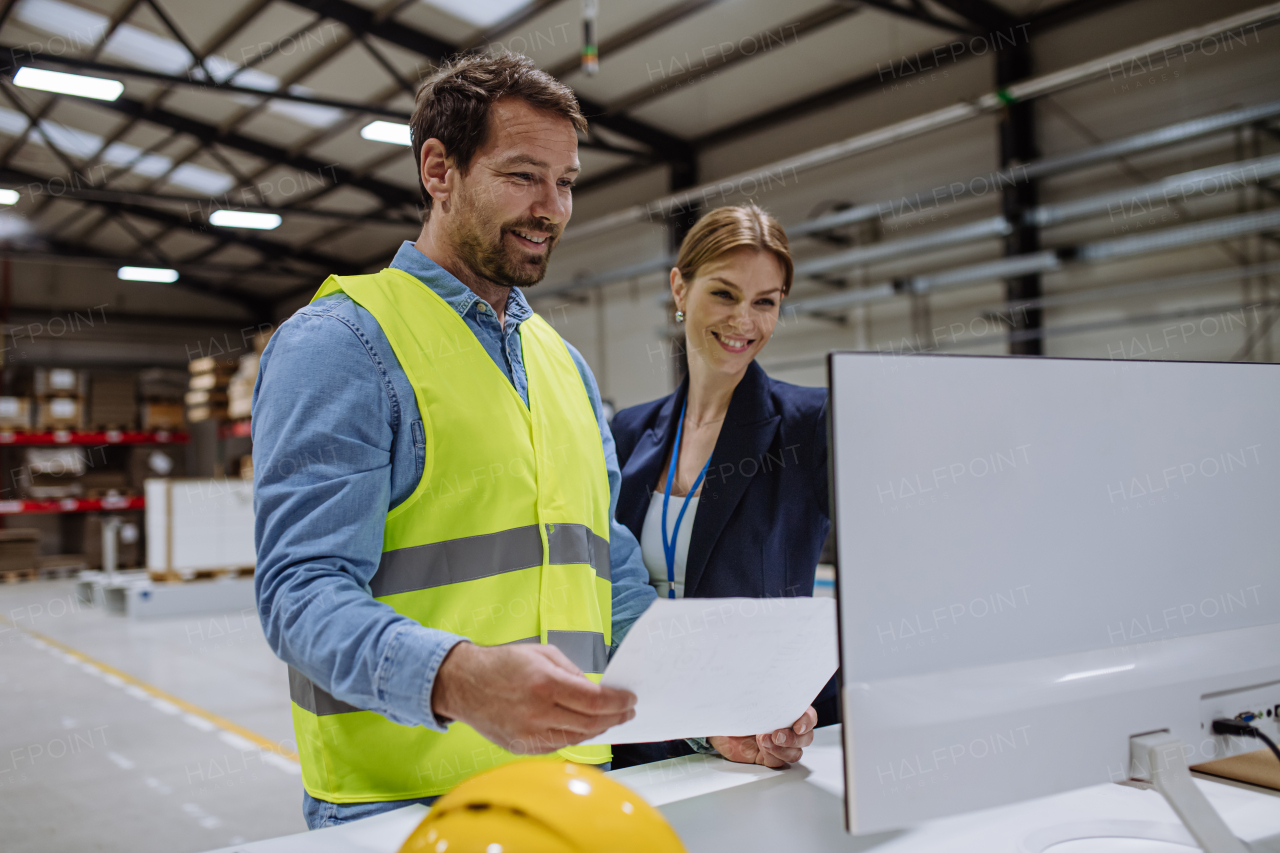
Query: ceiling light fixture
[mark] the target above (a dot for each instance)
(147, 274)
(68, 84)
(387, 131)
(9, 196)
(245, 219)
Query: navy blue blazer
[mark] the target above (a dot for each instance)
(764, 512)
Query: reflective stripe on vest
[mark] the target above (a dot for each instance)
(503, 540)
(475, 557)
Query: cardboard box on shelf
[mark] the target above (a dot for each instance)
(19, 549)
(216, 397)
(163, 415)
(204, 413)
(105, 483)
(51, 473)
(211, 364)
(208, 381)
(15, 413)
(162, 383)
(240, 389)
(45, 487)
(60, 382)
(113, 401)
(148, 462)
(60, 413)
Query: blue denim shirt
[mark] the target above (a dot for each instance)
(337, 442)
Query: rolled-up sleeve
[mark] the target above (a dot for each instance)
(322, 440)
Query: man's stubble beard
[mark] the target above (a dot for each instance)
(493, 261)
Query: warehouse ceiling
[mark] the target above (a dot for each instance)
(260, 105)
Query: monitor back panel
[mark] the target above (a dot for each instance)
(1038, 558)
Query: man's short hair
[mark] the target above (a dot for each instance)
(453, 105)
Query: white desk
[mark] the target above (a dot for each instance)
(717, 806)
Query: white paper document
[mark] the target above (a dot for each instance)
(722, 666)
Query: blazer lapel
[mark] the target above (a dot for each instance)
(749, 428)
(645, 463)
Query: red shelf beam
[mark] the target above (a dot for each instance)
(95, 437)
(72, 505)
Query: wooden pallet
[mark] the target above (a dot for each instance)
(19, 575)
(173, 576)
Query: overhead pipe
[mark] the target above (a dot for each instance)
(1232, 273)
(1185, 184)
(945, 117)
(1049, 166)
(996, 226)
(1175, 187)
(1182, 186)
(1122, 247)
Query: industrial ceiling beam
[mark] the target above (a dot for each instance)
(13, 56)
(981, 13)
(792, 31)
(919, 15)
(360, 21)
(63, 251)
(391, 194)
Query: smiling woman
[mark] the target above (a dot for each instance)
(724, 481)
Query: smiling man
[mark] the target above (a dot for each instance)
(435, 483)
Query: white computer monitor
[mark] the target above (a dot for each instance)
(1041, 558)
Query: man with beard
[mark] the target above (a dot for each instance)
(435, 483)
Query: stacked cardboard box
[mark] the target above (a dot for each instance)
(19, 549)
(51, 473)
(240, 388)
(113, 401)
(148, 462)
(60, 398)
(15, 413)
(161, 391)
(207, 390)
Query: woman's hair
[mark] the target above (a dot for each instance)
(728, 228)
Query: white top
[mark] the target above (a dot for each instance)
(651, 540)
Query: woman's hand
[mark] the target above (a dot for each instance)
(775, 749)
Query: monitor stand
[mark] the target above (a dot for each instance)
(1157, 759)
(1160, 759)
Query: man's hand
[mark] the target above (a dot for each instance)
(776, 749)
(529, 699)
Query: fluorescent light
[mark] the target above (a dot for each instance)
(147, 274)
(482, 13)
(386, 131)
(9, 196)
(68, 84)
(1094, 672)
(244, 219)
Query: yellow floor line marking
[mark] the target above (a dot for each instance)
(220, 722)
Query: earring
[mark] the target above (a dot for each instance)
(679, 316)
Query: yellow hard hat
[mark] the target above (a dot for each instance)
(542, 807)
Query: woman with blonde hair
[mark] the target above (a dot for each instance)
(724, 481)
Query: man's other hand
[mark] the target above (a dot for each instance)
(529, 699)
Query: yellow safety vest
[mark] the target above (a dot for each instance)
(504, 540)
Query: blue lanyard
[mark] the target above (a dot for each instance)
(669, 546)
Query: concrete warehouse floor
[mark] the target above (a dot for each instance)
(95, 760)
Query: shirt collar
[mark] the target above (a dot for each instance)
(457, 295)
